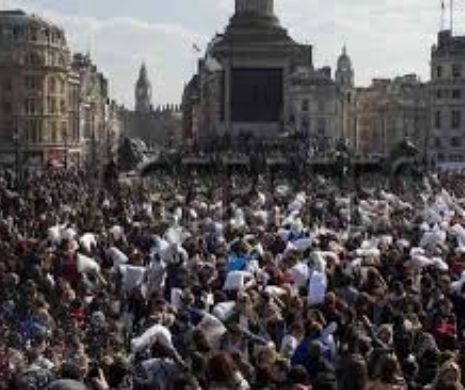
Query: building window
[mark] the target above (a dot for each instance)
(437, 143)
(439, 94)
(30, 106)
(456, 119)
(62, 106)
(53, 132)
(7, 86)
(51, 85)
(16, 32)
(52, 108)
(64, 132)
(439, 71)
(7, 108)
(33, 59)
(321, 127)
(61, 85)
(33, 131)
(52, 59)
(437, 120)
(33, 34)
(76, 130)
(455, 142)
(457, 158)
(456, 71)
(32, 82)
(304, 125)
(305, 105)
(456, 94)
(7, 33)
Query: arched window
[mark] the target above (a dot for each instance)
(305, 105)
(304, 125)
(52, 85)
(64, 132)
(33, 34)
(291, 118)
(53, 132)
(17, 32)
(34, 58)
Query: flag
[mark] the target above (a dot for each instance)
(196, 48)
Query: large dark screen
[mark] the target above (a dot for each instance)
(256, 95)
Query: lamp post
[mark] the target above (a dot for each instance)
(16, 143)
(65, 138)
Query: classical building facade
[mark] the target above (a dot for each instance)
(313, 99)
(93, 106)
(447, 140)
(190, 108)
(389, 112)
(34, 94)
(53, 108)
(159, 127)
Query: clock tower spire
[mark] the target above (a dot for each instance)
(143, 91)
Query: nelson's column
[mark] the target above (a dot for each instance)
(242, 84)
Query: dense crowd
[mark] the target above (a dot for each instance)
(202, 284)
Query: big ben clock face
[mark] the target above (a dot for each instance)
(143, 92)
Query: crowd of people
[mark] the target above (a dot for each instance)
(203, 284)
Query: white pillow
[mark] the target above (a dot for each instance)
(157, 333)
(86, 264)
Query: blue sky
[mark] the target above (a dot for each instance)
(385, 38)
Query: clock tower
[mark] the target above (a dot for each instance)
(143, 92)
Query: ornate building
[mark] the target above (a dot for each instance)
(313, 99)
(93, 108)
(34, 94)
(389, 112)
(447, 91)
(159, 127)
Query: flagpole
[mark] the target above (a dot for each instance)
(443, 16)
(452, 16)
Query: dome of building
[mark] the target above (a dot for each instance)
(344, 62)
(30, 28)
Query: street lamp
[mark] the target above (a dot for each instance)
(65, 139)
(16, 143)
